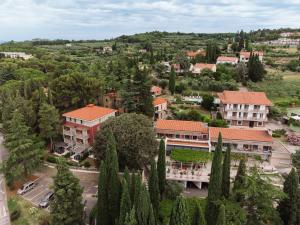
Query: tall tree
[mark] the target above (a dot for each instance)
(288, 206)
(102, 203)
(132, 187)
(172, 80)
(255, 68)
(130, 218)
(226, 173)
(198, 217)
(125, 206)
(179, 213)
(144, 210)
(240, 180)
(129, 100)
(25, 150)
(221, 216)
(215, 184)
(212, 52)
(49, 128)
(127, 177)
(67, 207)
(154, 189)
(161, 167)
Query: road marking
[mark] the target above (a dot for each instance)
(29, 193)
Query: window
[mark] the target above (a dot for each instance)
(254, 114)
(245, 115)
(195, 137)
(239, 123)
(204, 136)
(187, 136)
(256, 107)
(234, 113)
(260, 124)
(177, 136)
(235, 106)
(246, 106)
(81, 121)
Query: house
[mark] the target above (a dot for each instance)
(17, 55)
(247, 141)
(155, 91)
(160, 108)
(112, 100)
(245, 56)
(244, 108)
(143, 51)
(181, 134)
(81, 125)
(198, 67)
(107, 49)
(226, 59)
(68, 45)
(177, 68)
(193, 54)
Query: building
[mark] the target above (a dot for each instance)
(160, 108)
(107, 49)
(193, 54)
(228, 60)
(155, 91)
(177, 68)
(244, 108)
(181, 134)
(247, 141)
(112, 100)
(198, 67)
(143, 50)
(82, 124)
(245, 56)
(17, 55)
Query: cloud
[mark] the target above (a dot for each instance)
(96, 19)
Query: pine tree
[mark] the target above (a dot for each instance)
(144, 210)
(288, 206)
(25, 150)
(102, 203)
(125, 203)
(154, 189)
(226, 173)
(179, 213)
(240, 180)
(130, 218)
(221, 220)
(161, 167)
(49, 128)
(172, 80)
(67, 207)
(215, 184)
(198, 217)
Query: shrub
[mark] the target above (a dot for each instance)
(14, 209)
(51, 159)
(173, 190)
(87, 164)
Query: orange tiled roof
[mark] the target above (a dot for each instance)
(188, 143)
(247, 54)
(181, 125)
(240, 134)
(240, 97)
(89, 112)
(155, 89)
(227, 59)
(191, 53)
(204, 66)
(158, 101)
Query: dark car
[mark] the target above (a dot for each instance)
(46, 199)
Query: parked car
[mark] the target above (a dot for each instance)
(46, 199)
(26, 187)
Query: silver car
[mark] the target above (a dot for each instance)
(46, 199)
(26, 187)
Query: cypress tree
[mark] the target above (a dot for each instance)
(132, 187)
(256, 69)
(226, 173)
(125, 203)
(198, 217)
(239, 181)
(288, 207)
(172, 80)
(130, 218)
(154, 189)
(179, 213)
(144, 210)
(102, 203)
(66, 207)
(127, 177)
(161, 167)
(221, 220)
(138, 184)
(215, 184)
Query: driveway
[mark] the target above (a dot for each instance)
(4, 214)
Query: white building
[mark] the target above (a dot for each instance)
(227, 60)
(16, 55)
(245, 56)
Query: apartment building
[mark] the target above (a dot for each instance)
(81, 125)
(244, 108)
(160, 108)
(245, 56)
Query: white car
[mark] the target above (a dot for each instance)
(26, 187)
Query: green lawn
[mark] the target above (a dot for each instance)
(29, 214)
(186, 155)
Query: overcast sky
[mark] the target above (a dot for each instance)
(99, 19)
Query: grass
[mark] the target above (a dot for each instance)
(30, 215)
(186, 155)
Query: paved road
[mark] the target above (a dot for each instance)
(4, 214)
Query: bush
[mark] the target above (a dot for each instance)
(14, 209)
(218, 123)
(51, 159)
(278, 133)
(87, 164)
(173, 190)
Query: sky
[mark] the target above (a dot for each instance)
(104, 19)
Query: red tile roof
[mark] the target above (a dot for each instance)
(176, 66)
(187, 143)
(247, 54)
(159, 101)
(155, 89)
(240, 134)
(204, 66)
(240, 97)
(89, 112)
(227, 59)
(181, 125)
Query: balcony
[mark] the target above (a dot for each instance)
(245, 118)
